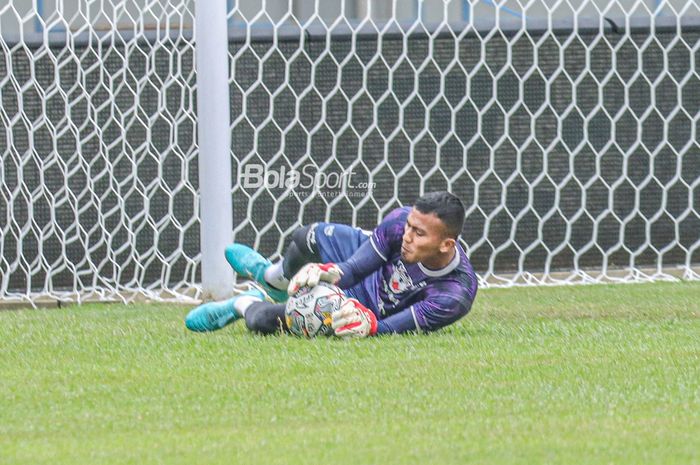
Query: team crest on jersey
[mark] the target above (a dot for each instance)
(400, 280)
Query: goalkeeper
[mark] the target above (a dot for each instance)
(409, 274)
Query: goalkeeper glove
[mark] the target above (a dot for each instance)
(312, 273)
(354, 320)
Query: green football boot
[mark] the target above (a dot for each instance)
(250, 264)
(215, 315)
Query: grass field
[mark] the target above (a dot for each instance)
(586, 374)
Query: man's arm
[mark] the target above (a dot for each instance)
(363, 262)
(369, 257)
(430, 314)
(376, 251)
(355, 320)
(398, 323)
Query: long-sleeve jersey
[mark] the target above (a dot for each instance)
(408, 297)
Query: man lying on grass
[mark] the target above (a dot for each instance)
(409, 274)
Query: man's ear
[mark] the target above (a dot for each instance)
(447, 245)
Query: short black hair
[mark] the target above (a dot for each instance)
(445, 206)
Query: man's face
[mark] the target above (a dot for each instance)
(424, 238)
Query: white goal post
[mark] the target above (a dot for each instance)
(568, 127)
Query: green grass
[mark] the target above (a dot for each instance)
(587, 374)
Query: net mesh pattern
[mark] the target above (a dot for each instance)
(574, 149)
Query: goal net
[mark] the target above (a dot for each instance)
(569, 129)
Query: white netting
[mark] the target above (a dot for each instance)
(97, 150)
(568, 127)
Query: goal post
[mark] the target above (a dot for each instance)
(211, 44)
(569, 128)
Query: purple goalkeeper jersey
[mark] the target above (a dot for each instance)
(404, 296)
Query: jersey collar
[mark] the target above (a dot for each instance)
(447, 269)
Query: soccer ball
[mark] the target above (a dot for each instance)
(308, 312)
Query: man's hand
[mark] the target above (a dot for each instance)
(312, 273)
(354, 320)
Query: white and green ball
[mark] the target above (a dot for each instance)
(308, 312)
